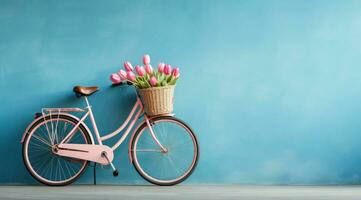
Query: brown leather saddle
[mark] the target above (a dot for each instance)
(85, 91)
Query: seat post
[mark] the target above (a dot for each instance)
(87, 102)
(93, 121)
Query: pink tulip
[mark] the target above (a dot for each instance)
(131, 76)
(140, 70)
(146, 59)
(161, 67)
(175, 72)
(122, 74)
(149, 69)
(153, 81)
(167, 69)
(115, 78)
(128, 66)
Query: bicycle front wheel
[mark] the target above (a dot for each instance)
(174, 165)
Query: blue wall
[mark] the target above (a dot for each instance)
(271, 87)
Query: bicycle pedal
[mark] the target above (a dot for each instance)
(115, 173)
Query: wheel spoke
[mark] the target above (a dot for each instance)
(41, 140)
(44, 132)
(173, 165)
(52, 129)
(40, 147)
(49, 135)
(46, 163)
(149, 150)
(56, 130)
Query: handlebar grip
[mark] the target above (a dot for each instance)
(121, 83)
(117, 84)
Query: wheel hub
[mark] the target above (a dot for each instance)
(165, 151)
(55, 149)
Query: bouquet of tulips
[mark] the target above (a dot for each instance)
(145, 76)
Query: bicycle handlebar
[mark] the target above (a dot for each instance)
(121, 83)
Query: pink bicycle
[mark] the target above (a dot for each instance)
(58, 146)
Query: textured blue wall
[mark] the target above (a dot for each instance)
(271, 87)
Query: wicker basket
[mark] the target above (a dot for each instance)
(157, 100)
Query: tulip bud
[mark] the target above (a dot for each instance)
(149, 69)
(115, 78)
(131, 76)
(153, 81)
(140, 70)
(167, 69)
(146, 59)
(175, 72)
(122, 74)
(128, 66)
(161, 67)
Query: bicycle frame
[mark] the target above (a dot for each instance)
(130, 121)
(135, 113)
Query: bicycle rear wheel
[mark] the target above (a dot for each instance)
(165, 168)
(39, 159)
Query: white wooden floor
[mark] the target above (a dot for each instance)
(181, 192)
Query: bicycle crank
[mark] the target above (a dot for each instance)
(89, 152)
(115, 171)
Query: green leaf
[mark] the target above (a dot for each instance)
(148, 85)
(169, 78)
(164, 83)
(173, 81)
(137, 78)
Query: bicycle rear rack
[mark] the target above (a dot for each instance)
(55, 110)
(45, 111)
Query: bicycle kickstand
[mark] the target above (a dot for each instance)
(115, 171)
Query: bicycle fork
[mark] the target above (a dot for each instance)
(164, 150)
